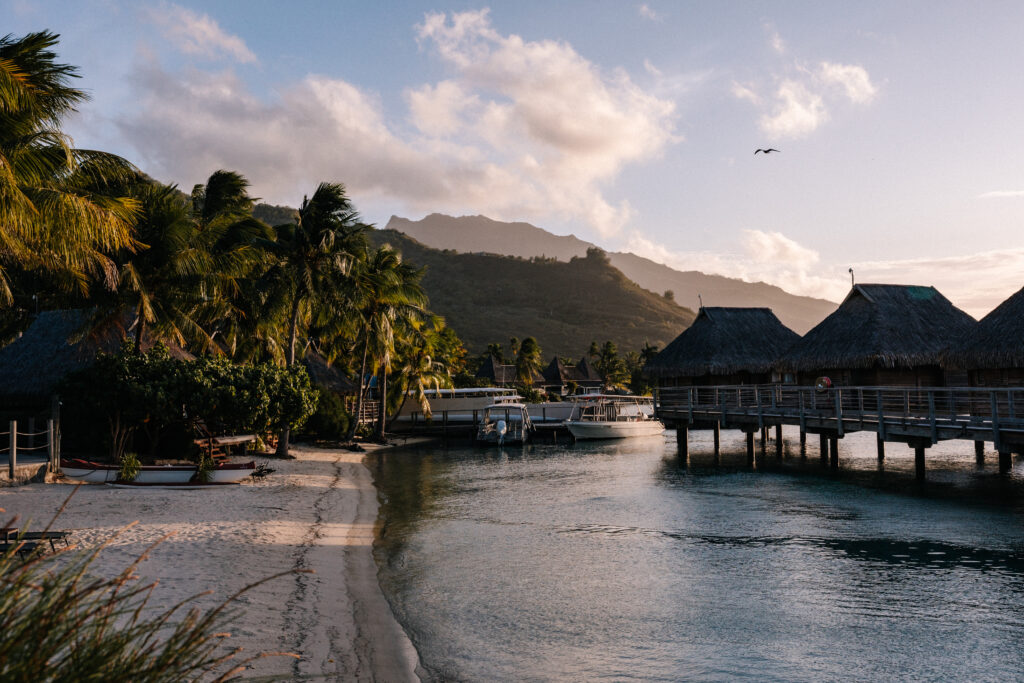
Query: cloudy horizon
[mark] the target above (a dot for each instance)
(526, 114)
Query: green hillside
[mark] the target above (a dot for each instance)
(488, 298)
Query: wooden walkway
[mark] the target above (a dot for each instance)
(919, 417)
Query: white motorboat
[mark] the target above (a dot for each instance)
(609, 416)
(504, 424)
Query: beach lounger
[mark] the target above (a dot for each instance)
(12, 535)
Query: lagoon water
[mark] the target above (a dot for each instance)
(617, 561)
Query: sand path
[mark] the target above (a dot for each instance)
(315, 512)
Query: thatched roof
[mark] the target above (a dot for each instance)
(496, 372)
(324, 375)
(585, 372)
(886, 326)
(558, 372)
(33, 364)
(997, 341)
(724, 341)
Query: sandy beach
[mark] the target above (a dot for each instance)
(315, 512)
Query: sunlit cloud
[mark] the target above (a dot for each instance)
(1001, 194)
(853, 79)
(797, 112)
(198, 34)
(518, 130)
(646, 12)
(976, 283)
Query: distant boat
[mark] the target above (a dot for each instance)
(609, 416)
(98, 473)
(457, 405)
(504, 424)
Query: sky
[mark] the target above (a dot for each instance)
(629, 124)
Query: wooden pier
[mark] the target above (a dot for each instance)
(918, 417)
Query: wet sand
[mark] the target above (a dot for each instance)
(315, 512)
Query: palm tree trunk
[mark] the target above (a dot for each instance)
(359, 395)
(293, 333)
(383, 402)
(140, 329)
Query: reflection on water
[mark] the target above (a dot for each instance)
(621, 561)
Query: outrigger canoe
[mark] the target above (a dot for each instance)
(98, 473)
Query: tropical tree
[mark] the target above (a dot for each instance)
(428, 357)
(311, 258)
(612, 368)
(56, 211)
(389, 294)
(494, 349)
(528, 362)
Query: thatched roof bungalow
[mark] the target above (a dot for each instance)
(559, 378)
(881, 335)
(498, 373)
(992, 353)
(724, 346)
(33, 365)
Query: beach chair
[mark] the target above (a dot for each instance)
(13, 535)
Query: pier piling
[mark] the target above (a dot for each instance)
(979, 453)
(919, 461)
(750, 448)
(834, 452)
(823, 447)
(880, 444)
(778, 440)
(682, 440)
(1005, 461)
(718, 439)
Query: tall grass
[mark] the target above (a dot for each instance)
(60, 620)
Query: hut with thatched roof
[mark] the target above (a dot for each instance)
(563, 379)
(724, 346)
(498, 373)
(324, 375)
(881, 335)
(53, 346)
(992, 353)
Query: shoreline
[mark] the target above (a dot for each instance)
(316, 512)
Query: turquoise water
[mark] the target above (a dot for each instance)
(618, 561)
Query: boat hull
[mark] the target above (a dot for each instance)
(97, 473)
(596, 429)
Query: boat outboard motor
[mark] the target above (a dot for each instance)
(501, 428)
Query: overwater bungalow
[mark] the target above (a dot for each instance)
(881, 335)
(992, 352)
(724, 346)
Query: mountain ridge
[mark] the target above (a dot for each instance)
(475, 234)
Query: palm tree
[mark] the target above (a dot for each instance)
(528, 362)
(425, 361)
(389, 293)
(311, 258)
(56, 209)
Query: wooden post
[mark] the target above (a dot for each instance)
(997, 440)
(778, 440)
(931, 417)
(750, 448)
(881, 414)
(1005, 461)
(13, 452)
(880, 443)
(823, 447)
(979, 453)
(839, 412)
(919, 461)
(51, 446)
(717, 432)
(834, 452)
(682, 440)
(764, 440)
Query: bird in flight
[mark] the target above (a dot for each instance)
(766, 151)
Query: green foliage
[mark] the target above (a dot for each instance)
(154, 393)
(564, 305)
(129, 467)
(330, 421)
(63, 620)
(528, 362)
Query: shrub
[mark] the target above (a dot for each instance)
(331, 420)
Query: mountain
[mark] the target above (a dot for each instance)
(481, 234)
(564, 305)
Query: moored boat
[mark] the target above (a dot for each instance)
(453, 405)
(99, 473)
(504, 424)
(607, 416)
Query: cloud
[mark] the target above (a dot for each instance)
(853, 79)
(797, 112)
(198, 34)
(646, 12)
(976, 283)
(775, 40)
(520, 130)
(1001, 194)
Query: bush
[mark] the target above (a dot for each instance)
(331, 420)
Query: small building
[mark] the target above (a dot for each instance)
(881, 335)
(562, 379)
(991, 354)
(724, 346)
(499, 374)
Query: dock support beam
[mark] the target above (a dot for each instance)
(919, 462)
(718, 439)
(1005, 461)
(979, 453)
(823, 447)
(764, 440)
(778, 440)
(683, 440)
(834, 452)
(880, 444)
(750, 448)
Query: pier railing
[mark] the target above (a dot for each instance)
(933, 413)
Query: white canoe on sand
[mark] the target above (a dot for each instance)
(98, 473)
